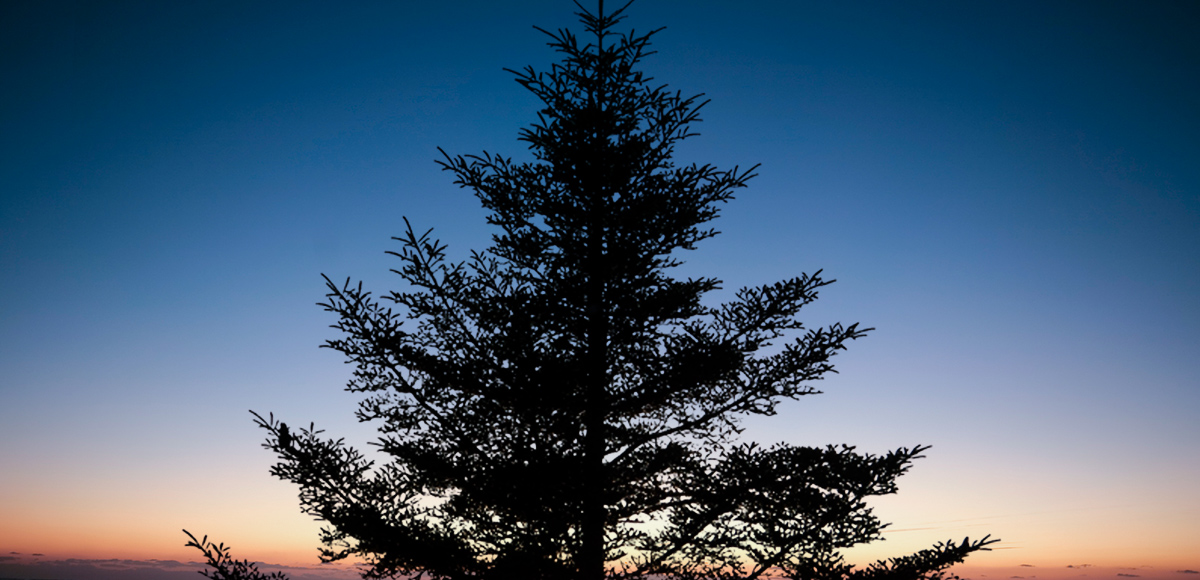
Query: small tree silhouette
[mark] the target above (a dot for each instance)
(558, 406)
(223, 566)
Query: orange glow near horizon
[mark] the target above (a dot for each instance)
(259, 518)
(298, 547)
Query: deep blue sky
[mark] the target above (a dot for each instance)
(1008, 191)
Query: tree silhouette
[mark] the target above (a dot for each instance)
(223, 566)
(558, 406)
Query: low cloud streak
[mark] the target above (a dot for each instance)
(120, 569)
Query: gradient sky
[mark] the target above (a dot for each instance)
(1008, 191)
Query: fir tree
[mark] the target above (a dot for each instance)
(559, 406)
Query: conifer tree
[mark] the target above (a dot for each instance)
(558, 405)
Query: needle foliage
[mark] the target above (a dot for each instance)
(558, 405)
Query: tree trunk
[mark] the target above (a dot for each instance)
(591, 564)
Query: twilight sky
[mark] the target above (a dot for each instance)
(1008, 191)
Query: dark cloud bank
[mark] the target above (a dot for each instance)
(16, 568)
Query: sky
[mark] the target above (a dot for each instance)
(1007, 191)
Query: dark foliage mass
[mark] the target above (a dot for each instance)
(558, 406)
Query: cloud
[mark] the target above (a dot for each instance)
(1129, 575)
(1187, 572)
(120, 569)
(1027, 566)
(116, 564)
